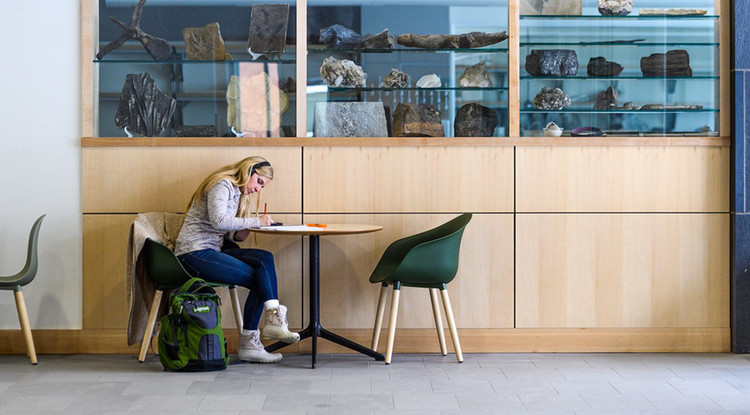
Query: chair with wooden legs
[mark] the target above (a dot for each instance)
(168, 273)
(425, 260)
(24, 277)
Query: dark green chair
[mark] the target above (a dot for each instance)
(24, 277)
(425, 260)
(167, 272)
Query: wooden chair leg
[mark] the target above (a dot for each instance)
(379, 317)
(452, 325)
(438, 320)
(23, 318)
(150, 325)
(236, 307)
(392, 324)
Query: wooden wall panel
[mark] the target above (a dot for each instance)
(408, 179)
(105, 304)
(660, 270)
(481, 294)
(622, 179)
(162, 179)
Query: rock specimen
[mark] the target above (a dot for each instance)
(143, 108)
(551, 7)
(475, 120)
(342, 73)
(630, 106)
(417, 120)
(338, 36)
(475, 76)
(672, 12)
(350, 119)
(463, 41)
(429, 81)
(196, 131)
(205, 43)
(552, 62)
(268, 24)
(551, 99)
(600, 66)
(615, 7)
(606, 100)
(255, 104)
(158, 48)
(395, 79)
(382, 40)
(673, 63)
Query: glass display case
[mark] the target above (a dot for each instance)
(627, 75)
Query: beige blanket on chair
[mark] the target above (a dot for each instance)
(162, 227)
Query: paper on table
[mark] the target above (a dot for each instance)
(291, 228)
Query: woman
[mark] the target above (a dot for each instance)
(220, 209)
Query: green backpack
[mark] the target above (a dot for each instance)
(191, 338)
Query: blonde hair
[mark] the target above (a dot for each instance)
(239, 175)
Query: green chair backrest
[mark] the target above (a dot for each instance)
(427, 259)
(28, 273)
(163, 266)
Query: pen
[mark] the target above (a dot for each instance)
(265, 209)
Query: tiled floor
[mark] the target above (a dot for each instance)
(412, 384)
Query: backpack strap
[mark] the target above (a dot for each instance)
(195, 285)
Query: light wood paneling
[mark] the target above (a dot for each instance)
(622, 179)
(481, 294)
(404, 179)
(604, 270)
(142, 179)
(105, 292)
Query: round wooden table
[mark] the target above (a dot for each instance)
(314, 328)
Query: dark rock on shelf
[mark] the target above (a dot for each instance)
(158, 48)
(552, 62)
(338, 36)
(382, 40)
(417, 120)
(143, 108)
(196, 131)
(205, 43)
(606, 99)
(395, 79)
(475, 120)
(463, 41)
(600, 66)
(615, 7)
(551, 99)
(672, 63)
(268, 24)
(350, 119)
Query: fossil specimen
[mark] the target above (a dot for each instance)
(463, 41)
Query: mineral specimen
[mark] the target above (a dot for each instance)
(672, 12)
(268, 25)
(382, 40)
(395, 79)
(143, 108)
(342, 73)
(350, 119)
(463, 41)
(551, 7)
(475, 120)
(338, 36)
(429, 81)
(615, 7)
(475, 76)
(673, 63)
(196, 131)
(551, 99)
(255, 104)
(158, 48)
(606, 99)
(600, 66)
(205, 43)
(552, 62)
(417, 120)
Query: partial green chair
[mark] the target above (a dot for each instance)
(15, 282)
(167, 272)
(425, 260)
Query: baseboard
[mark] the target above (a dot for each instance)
(573, 340)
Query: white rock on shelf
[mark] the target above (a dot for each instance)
(429, 81)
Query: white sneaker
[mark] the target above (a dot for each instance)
(252, 350)
(276, 326)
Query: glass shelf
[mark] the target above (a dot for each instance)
(444, 88)
(617, 78)
(619, 111)
(191, 62)
(404, 50)
(621, 44)
(628, 17)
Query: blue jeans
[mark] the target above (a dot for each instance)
(250, 268)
